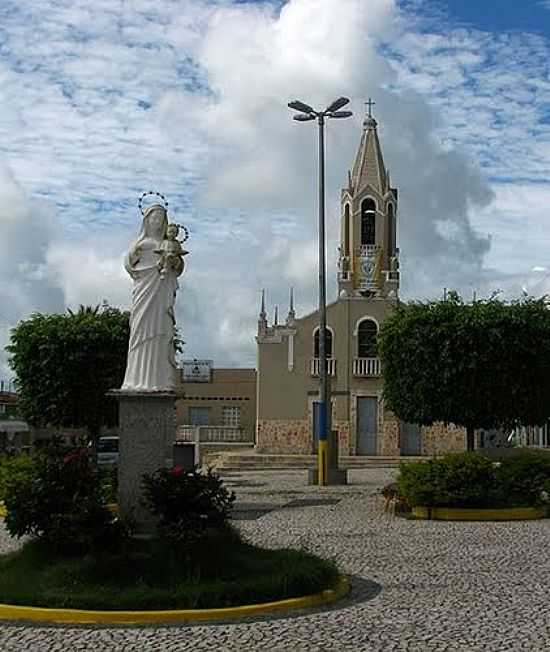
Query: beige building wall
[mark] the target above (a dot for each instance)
(227, 388)
(287, 389)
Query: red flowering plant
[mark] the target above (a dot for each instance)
(187, 504)
(61, 501)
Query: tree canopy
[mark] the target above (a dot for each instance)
(479, 365)
(65, 364)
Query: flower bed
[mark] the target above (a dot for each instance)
(473, 514)
(471, 481)
(81, 556)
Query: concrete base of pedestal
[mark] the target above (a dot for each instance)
(335, 477)
(147, 431)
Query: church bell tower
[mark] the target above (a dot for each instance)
(368, 263)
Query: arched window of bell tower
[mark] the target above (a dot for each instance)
(368, 222)
(345, 238)
(367, 335)
(390, 231)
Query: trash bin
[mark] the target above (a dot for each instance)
(184, 455)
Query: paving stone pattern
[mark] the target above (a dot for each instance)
(417, 585)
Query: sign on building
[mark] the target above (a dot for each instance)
(197, 371)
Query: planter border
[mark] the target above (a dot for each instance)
(478, 514)
(112, 507)
(92, 617)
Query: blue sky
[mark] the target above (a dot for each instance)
(100, 102)
(500, 16)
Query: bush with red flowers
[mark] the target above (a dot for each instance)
(60, 501)
(187, 504)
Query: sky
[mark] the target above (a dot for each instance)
(100, 102)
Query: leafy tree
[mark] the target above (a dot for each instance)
(480, 365)
(65, 364)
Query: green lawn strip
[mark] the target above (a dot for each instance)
(221, 573)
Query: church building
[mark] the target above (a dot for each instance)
(286, 380)
(368, 287)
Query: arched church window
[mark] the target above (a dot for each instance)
(328, 343)
(368, 222)
(346, 231)
(367, 334)
(391, 229)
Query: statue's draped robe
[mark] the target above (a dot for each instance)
(151, 356)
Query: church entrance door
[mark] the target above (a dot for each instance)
(411, 441)
(367, 425)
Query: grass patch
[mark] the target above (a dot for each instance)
(222, 571)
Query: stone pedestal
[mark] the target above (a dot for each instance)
(147, 431)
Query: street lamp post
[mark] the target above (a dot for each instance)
(307, 113)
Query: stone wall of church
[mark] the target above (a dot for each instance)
(284, 436)
(389, 440)
(343, 436)
(440, 438)
(293, 437)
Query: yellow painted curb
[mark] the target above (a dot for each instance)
(112, 507)
(88, 617)
(464, 514)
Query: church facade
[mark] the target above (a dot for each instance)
(368, 287)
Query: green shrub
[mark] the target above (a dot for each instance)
(60, 501)
(464, 480)
(461, 480)
(188, 505)
(472, 480)
(521, 479)
(108, 477)
(13, 467)
(416, 483)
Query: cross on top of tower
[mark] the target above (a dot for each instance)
(370, 104)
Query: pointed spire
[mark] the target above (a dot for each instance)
(262, 319)
(276, 322)
(263, 314)
(369, 164)
(291, 314)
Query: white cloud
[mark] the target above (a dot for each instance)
(190, 99)
(27, 231)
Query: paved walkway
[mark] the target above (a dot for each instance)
(417, 585)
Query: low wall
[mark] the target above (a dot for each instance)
(389, 438)
(439, 439)
(284, 436)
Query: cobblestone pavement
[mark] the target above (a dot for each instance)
(417, 585)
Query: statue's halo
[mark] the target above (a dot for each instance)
(145, 194)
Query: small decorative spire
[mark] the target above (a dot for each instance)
(263, 314)
(291, 314)
(262, 319)
(276, 322)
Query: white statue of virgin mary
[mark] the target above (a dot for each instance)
(151, 365)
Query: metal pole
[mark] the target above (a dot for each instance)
(322, 463)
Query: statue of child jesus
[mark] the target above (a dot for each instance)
(170, 250)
